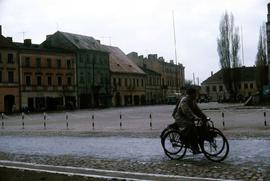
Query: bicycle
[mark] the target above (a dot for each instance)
(211, 141)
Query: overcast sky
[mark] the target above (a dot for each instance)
(144, 26)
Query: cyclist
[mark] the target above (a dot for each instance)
(186, 114)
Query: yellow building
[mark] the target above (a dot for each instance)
(127, 79)
(172, 75)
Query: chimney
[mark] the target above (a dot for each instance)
(211, 73)
(9, 39)
(27, 42)
(0, 29)
(98, 41)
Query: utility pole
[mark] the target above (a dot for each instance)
(175, 56)
(23, 33)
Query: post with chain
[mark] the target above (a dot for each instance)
(44, 119)
(22, 120)
(67, 120)
(120, 124)
(264, 114)
(93, 121)
(223, 121)
(151, 125)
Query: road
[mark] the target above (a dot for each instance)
(244, 151)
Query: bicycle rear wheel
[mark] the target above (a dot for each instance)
(215, 147)
(173, 145)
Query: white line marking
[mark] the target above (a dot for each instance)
(107, 171)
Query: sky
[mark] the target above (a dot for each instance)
(142, 26)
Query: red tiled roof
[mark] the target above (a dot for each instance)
(120, 63)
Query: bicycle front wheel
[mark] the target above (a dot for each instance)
(216, 147)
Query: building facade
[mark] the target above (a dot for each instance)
(92, 67)
(214, 88)
(172, 75)
(9, 75)
(47, 78)
(127, 79)
(153, 86)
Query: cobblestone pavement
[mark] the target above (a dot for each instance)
(184, 167)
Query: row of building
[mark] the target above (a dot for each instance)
(75, 71)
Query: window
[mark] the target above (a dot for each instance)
(58, 62)
(10, 58)
(137, 82)
(69, 81)
(251, 85)
(49, 81)
(207, 89)
(0, 58)
(114, 81)
(49, 63)
(28, 80)
(220, 88)
(10, 76)
(59, 80)
(68, 64)
(38, 62)
(245, 86)
(142, 82)
(239, 86)
(0, 76)
(38, 80)
(214, 88)
(119, 82)
(27, 62)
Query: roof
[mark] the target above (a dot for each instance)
(245, 74)
(37, 47)
(5, 43)
(83, 42)
(120, 63)
(151, 72)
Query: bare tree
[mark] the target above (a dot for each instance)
(228, 45)
(261, 60)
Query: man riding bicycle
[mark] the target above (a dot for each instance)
(187, 112)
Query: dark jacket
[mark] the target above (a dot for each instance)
(188, 111)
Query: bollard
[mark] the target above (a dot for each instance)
(120, 116)
(44, 117)
(3, 124)
(93, 121)
(67, 120)
(264, 114)
(22, 120)
(223, 122)
(150, 116)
